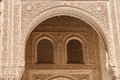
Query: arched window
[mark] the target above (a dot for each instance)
(44, 51)
(74, 51)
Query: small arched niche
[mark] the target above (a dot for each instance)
(74, 51)
(44, 51)
(93, 51)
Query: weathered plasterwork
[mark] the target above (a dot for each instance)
(21, 17)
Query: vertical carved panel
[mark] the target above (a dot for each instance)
(17, 34)
(7, 38)
(5, 29)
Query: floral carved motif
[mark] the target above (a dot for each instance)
(26, 11)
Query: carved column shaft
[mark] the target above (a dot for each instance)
(117, 4)
(115, 32)
(17, 34)
(11, 70)
(5, 37)
(7, 34)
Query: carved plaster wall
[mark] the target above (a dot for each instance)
(21, 17)
(1, 32)
(96, 11)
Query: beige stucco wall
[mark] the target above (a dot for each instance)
(20, 17)
(1, 22)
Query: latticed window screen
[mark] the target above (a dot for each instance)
(74, 51)
(44, 51)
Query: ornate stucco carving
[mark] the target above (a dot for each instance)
(97, 10)
(38, 7)
(100, 16)
(70, 74)
(59, 40)
(26, 11)
(92, 8)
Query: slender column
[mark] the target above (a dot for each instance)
(117, 11)
(11, 67)
(5, 38)
(115, 44)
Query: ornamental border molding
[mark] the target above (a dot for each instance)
(61, 72)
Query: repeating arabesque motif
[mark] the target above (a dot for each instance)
(33, 8)
(97, 9)
(29, 10)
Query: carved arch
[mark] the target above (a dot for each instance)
(75, 12)
(79, 38)
(36, 41)
(69, 11)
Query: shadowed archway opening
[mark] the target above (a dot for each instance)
(56, 29)
(74, 52)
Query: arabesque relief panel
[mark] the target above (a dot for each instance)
(25, 12)
(96, 10)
